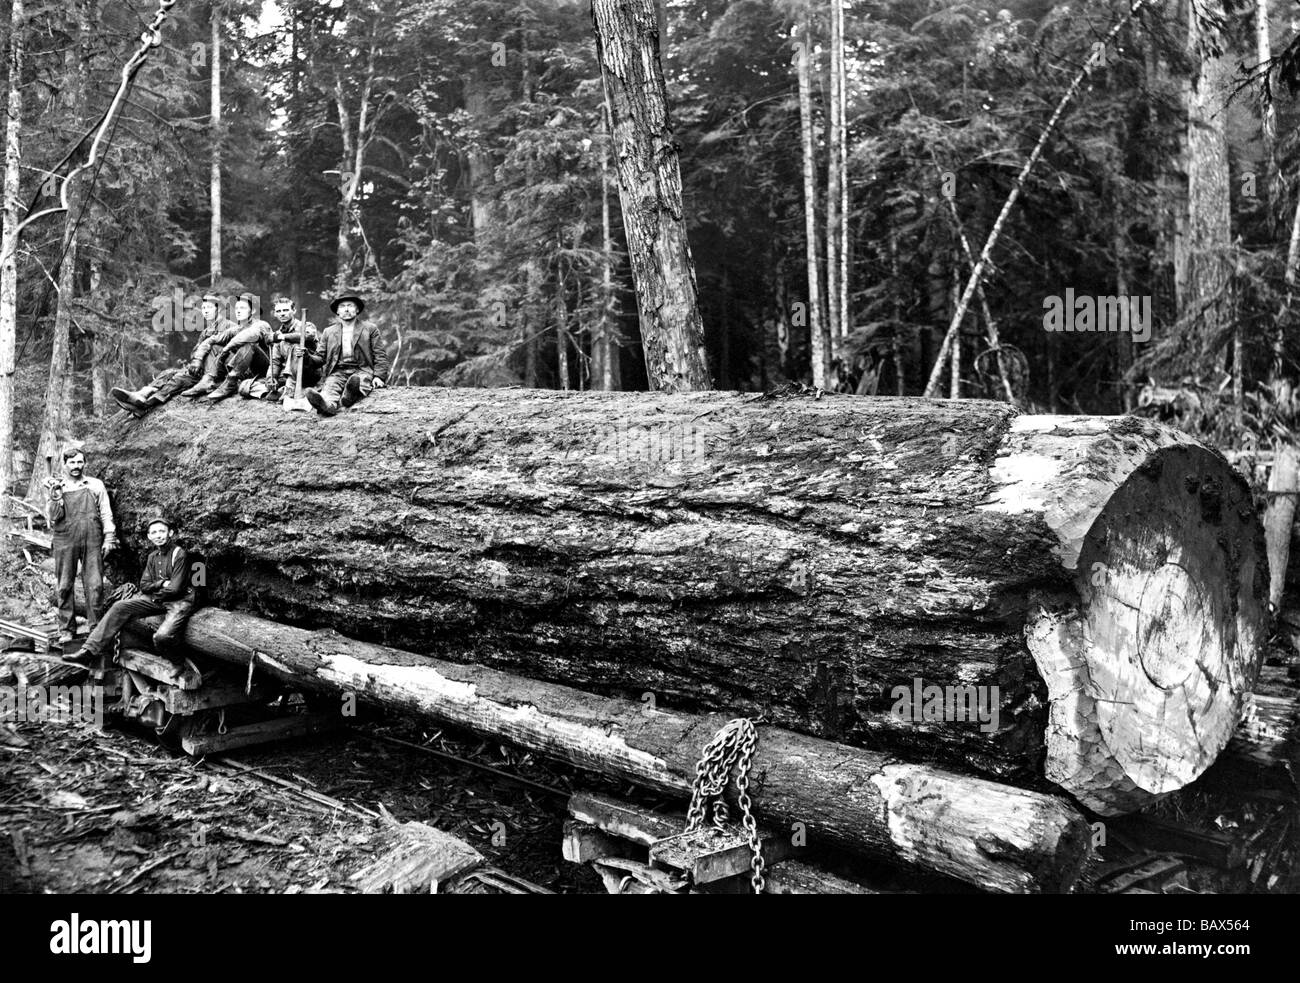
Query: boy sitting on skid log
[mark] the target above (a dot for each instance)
(165, 588)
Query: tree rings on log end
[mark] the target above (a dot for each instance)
(1148, 671)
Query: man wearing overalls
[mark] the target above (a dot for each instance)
(81, 520)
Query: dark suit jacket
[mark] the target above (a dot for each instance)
(367, 349)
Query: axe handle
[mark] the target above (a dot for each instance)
(297, 393)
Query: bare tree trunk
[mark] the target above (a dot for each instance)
(56, 420)
(101, 352)
(561, 332)
(478, 106)
(838, 14)
(605, 350)
(650, 189)
(354, 152)
(1202, 278)
(9, 252)
(834, 156)
(1284, 316)
(1123, 340)
(896, 343)
(954, 383)
(816, 332)
(1268, 117)
(214, 242)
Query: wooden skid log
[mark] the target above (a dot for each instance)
(994, 836)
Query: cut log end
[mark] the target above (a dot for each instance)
(1147, 677)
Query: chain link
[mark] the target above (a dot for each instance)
(732, 747)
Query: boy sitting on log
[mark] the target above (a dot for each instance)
(165, 589)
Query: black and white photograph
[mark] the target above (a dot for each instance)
(604, 447)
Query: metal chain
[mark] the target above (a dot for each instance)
(731, 747)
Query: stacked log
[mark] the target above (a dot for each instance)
(805, 558)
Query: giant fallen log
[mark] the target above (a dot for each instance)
(994, 836)
(1100, 581)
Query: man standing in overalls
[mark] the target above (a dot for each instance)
(81, 520)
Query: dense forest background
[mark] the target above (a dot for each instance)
(451, 159)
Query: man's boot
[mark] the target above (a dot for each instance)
(229, 386)
(137, 402)
(319, 403)
(202, 387)
(352, 390)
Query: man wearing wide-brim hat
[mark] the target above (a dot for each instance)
(355, 358)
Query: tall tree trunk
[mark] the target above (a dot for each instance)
(1202, 274)
(834, 219)
(214, 241)
(561, 333)
(954, 383)
(838, 13)
(354, 154)
(605, 350)
(650, 189)
(1123, 340)
(9, 252)
(101, 351)
(1268, 118)
(896, 341)
(819, 355)
(56, 420)
(479, 108)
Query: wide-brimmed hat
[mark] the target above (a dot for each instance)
(334, 304)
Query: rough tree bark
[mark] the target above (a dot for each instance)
(1201, 271)
(650, 190)
(993, 836)
(605, 348)
(789, 556)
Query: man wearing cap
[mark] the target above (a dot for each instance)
(355, 359)
(296, 338)
(202, 364)
(80, 517)
(165, 588)
(241, 349)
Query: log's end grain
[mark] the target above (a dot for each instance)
(1149, 659)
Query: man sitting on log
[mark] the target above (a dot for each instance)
(243, 349)
(297, 338)
(355, 359)
(202, 364)
(83, 533)
(165, 589)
